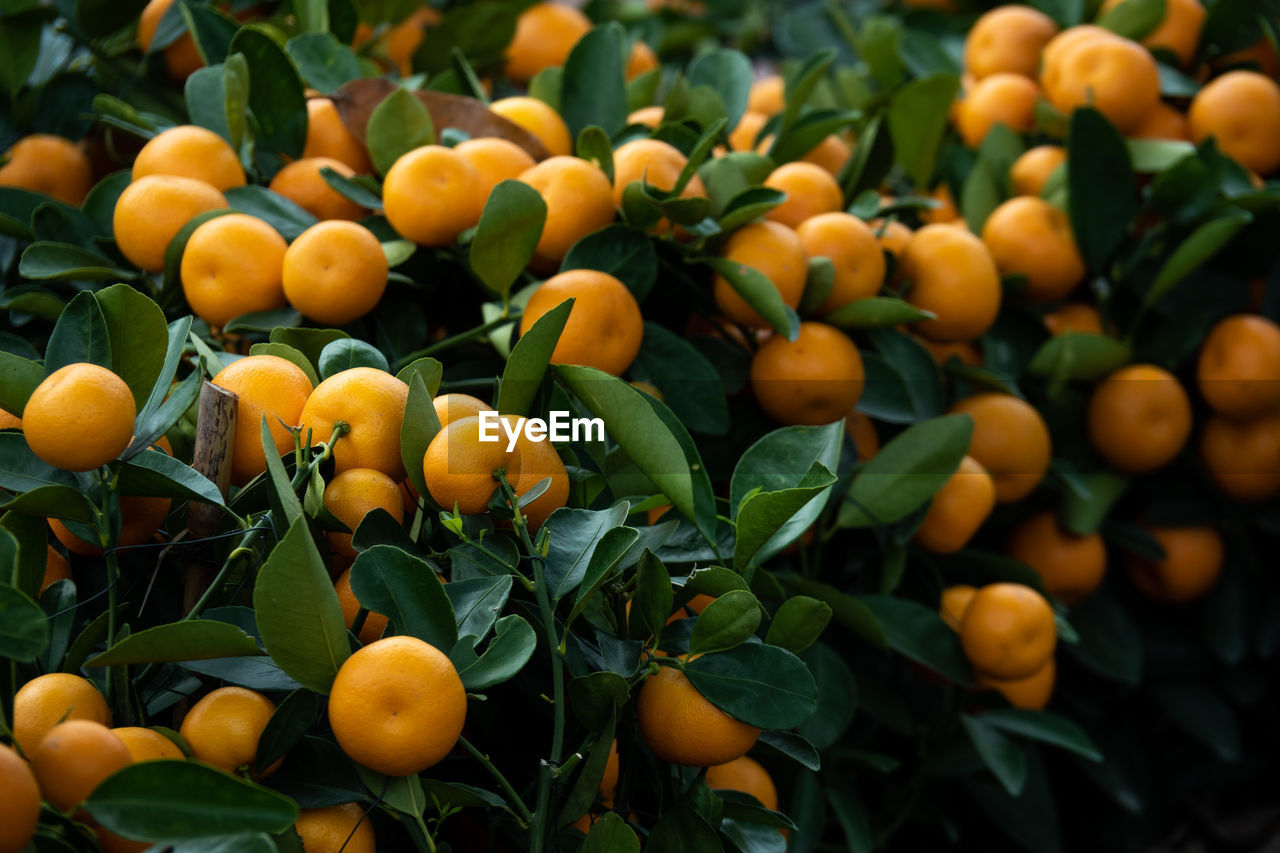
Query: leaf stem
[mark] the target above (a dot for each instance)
(521, 810)
(454, 340)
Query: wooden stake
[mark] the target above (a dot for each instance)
(215, 431)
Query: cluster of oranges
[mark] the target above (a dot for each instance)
(1008, 633)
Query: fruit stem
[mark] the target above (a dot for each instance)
(521, 810)
(454, 340)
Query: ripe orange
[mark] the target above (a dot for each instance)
(1079, 317)
(47, 700)
(831, 153)
(579, 201)
(431, 195)
(862, 430)
(958, 509)
(459, 468)
(1179, 29)
(746, 775)
(744, 136)
(955, 601)
(893, 237)
(223, 729)
(1058, 46)
(20, 806)
(1008, 39)
(56, 568)
(79, 418)
(1139, 418)
(1031, 171)
(75, 757)
(265, 384)
(1190, 568)
(404, 39)
(682, 727)
(810, 191)
(1117, 76)
(954, 276)
(232, 266)
(539, 119)
(946, 210)
(1002, 98)
(1010, 440)
(302, 183)
(147, 744)
(140, 519)
(336, 829)
(776, 252)
(353, 494)
(371, 403)
(545, 33)
(182, 58)
(815, 379)
(450, 407)
(1008, 631)
(657, 164)
(605, 326)
(335, 272)
(966, 351)
(397, 706)
(609, 780)
(1241, 109)
(495, 160)
(151, 211)
(640, 60)
(1030, 237)
(48, 164)
(648, 116)
(375, 624)
(1243, 457)
(538, 461)
(190, 152)
(1163, 122)
(1031, 693)
(768, 95)
(327, 136)
(1239, 367)
(1071, 566)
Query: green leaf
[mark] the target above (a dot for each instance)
(18, 378)
(362, 189)
(309, 342)
(1045, 727)
(280, 213)
(399, 124)
(605, 559)
(406, 590)
(419, 427)
(137, 331)
(480, 31)
(346, 353)
(1197, 709)
(689, 382)
(683, 830)
(762, 514)
(653, 598)
(323, 61)
(763, 686)
(512, 645)
(68, 262)
(275, 92)
(726, 622)
(1133, 19)
(1076, 355)
(209, 101)
(281, 495)
(194, 639)
(1156, 155)
(298, 612)
(81, 335)
(622, 252)
(748, 205)
(291, 720)
(477, 603)
(729, 73)
(1101, 186)
(593, 90)
(798, 623)
(610, 834)
(850, 612)
(212, 29)
(530, 357)
(16, 208)
(574, 537)
(154, 473)
(1002, 756)
(19, 49)
(174, 800)
(917, 120)
(24, 630)
(594, 146)
(907, 471)
(1193, 252)
(876, 311)
(919, 633)
(760, 293)
(1083, 513)
(509, 230)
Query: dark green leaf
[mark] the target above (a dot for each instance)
(1002, 756)
(509, 230)
(622, 252)
(530, 357)
(512, 645)
(907, 471)
(610, 834)
(798, 623)
(407, 591)
(593, 89)
(24, 630)
(275, 92)
(138, 333)
(68, 262)
(1101, 186)
(760, 293)
(399, 124)
(763, 686)
(323, 62)
(729, 73)
(1133, 19)
(194, 639)
(919, 633)
(1044, 727)
(917, 121)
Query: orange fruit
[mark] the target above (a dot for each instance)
(328, 136)
(1079, 317)
(945, 210)
(815, 379)
(1071, 566)
(746, 775)
(404, 39)
(1113, 74)
(545, 34)
(47, 700)
(182, 58)
(609, 780)
(1243, 457)
(151, 211)
(147, 744)
(232, 266)
(334, 272)
(1002, 98)
(371, 403)
(375, 624)
(1190, 568)
(48, 164)
(958, 509)
(495, 160)
(1178, 31)
(1028, 236)
(648, 116)
(354, 493)
(265, 385)
(20, 806)
(80, 417)
(539, 119)
(431, 195)
(744, 136)
(459, 467)
(397, 706)
(777, 253)
(1033, 168)
(810, 190)
(1139, 418)
(767, 95)
(965, 351)
(955, 601)
(1261, 54)
(1008, 631)
(953, 275)
(893, 237)
(538, 461)
(831, 154)
(1241, 109)
(579, 201)
(605, 326)
(1008, 39)
(1010, 440)
(450, 407)
(862, 430)
(1238, 372)
(140, 519)
(56, 568)
(657, 164)
(1163, 122)
(302, 183)
(336, 829)
(190, 152)
(1058, 46)
(640, 60)
(1031, 693)
(682, 727)
(223, 729)
(73, 758)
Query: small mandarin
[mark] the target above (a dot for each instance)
(495, 160)
(147, 744)
(335, 272)
(73, 758)
(48, 164)
(233, 266)
(1238, 372)
(1010, 440)
(955, 601)
(538, 119)
(20, 805)
(47, 700)
(328, 136)
(1028, 236)
(345, 828)
(1030, 693)
(681, 727)
(375, 624)
(815, 379)
(460, 467)
(353, 494)
(579, 202)
(954, 276)
(958, 509)
(189, 151)
(1243, 457)
(746, 775)
(1008, 39)
(810, 190)
(371, 403)
(224, 727)
(1033, 168)
(605, 327)
(431, 195)
(775, 251)
(1190, 567)
(302, 183)
(80, 417)
(1071, 566)
(1008, 631)
(265, 385)
(151, 211)
(1002, 98)
(1139, 418)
